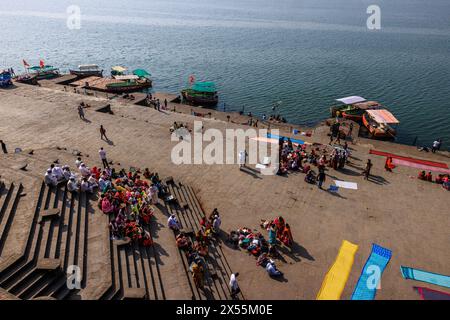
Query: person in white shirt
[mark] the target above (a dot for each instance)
(272, 269)
(85, 172)
(172, 222)
(78, 162)
(86, 187)
(103, 183)
(92, 181)
(234, 286)
(58, 173)
(66, 172)
(242, 158)
(216, 224)
(50, 179)
(102, 154)
(72, 185)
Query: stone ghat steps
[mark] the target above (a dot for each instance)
(135, 272)
(9, 201)
(189, 212)
(57, 239)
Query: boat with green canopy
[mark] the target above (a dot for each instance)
(202, 93)
(44, 72)
(139, 80)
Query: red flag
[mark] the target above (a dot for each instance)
(25, 63)
(41, 63)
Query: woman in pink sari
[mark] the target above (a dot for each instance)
(107, 207)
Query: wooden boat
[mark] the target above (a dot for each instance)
(5, 79)
(353, 108)
(138, 81)
(27, 79)
(345, 103)
(380, 123)
(355, 111)
(87, 70)
(129, 83)
(45, 72)
(201, 94)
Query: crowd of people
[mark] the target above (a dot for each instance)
(128, 200)
(299, 159)
(264, 250)
(196, 248)
(442, 179)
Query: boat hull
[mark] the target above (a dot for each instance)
(200, 101)
(378, 133)
(85, 74)
(129, 88)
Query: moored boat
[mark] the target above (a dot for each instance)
(87, 70)
(44, 72)
(27, 79)
(138, 81)
(380, 123)
(353, 108)
(201, 94)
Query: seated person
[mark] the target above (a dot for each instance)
(72, 185)
(86, 187)
(306, 168)
(182, 241)
(421, 175)
(58, 173)
(50, 179)
(84, 171)
(147, 173)
(172, 223)
(272, 269)
(439, 179)
(66, 172)
(310, 177)
(92, 182)
(429, 177)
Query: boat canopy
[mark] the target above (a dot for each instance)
(383, 116)
(351, 99)
(141, 73)
(118, 69)
(45, 68)
(88, 66)
(127, 77)
(205, 86)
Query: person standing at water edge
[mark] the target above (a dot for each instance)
(102, 154)
(3, 146)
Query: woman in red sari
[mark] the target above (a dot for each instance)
(286, 236)
(389, 165)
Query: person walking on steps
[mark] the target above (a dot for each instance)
(103, 133)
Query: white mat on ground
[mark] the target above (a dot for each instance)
(346, 185)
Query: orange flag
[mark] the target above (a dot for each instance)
(41, 63)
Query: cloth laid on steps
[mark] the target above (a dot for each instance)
(418, 161)
(334, 283)
(405, 163)
(430, 294)
(425, 276)
(370, 277)
(346, 185)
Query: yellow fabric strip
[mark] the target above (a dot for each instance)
(334, 283)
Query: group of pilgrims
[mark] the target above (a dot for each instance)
(298, 159)
(85, 180)
(196, 248)
(264, 250)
